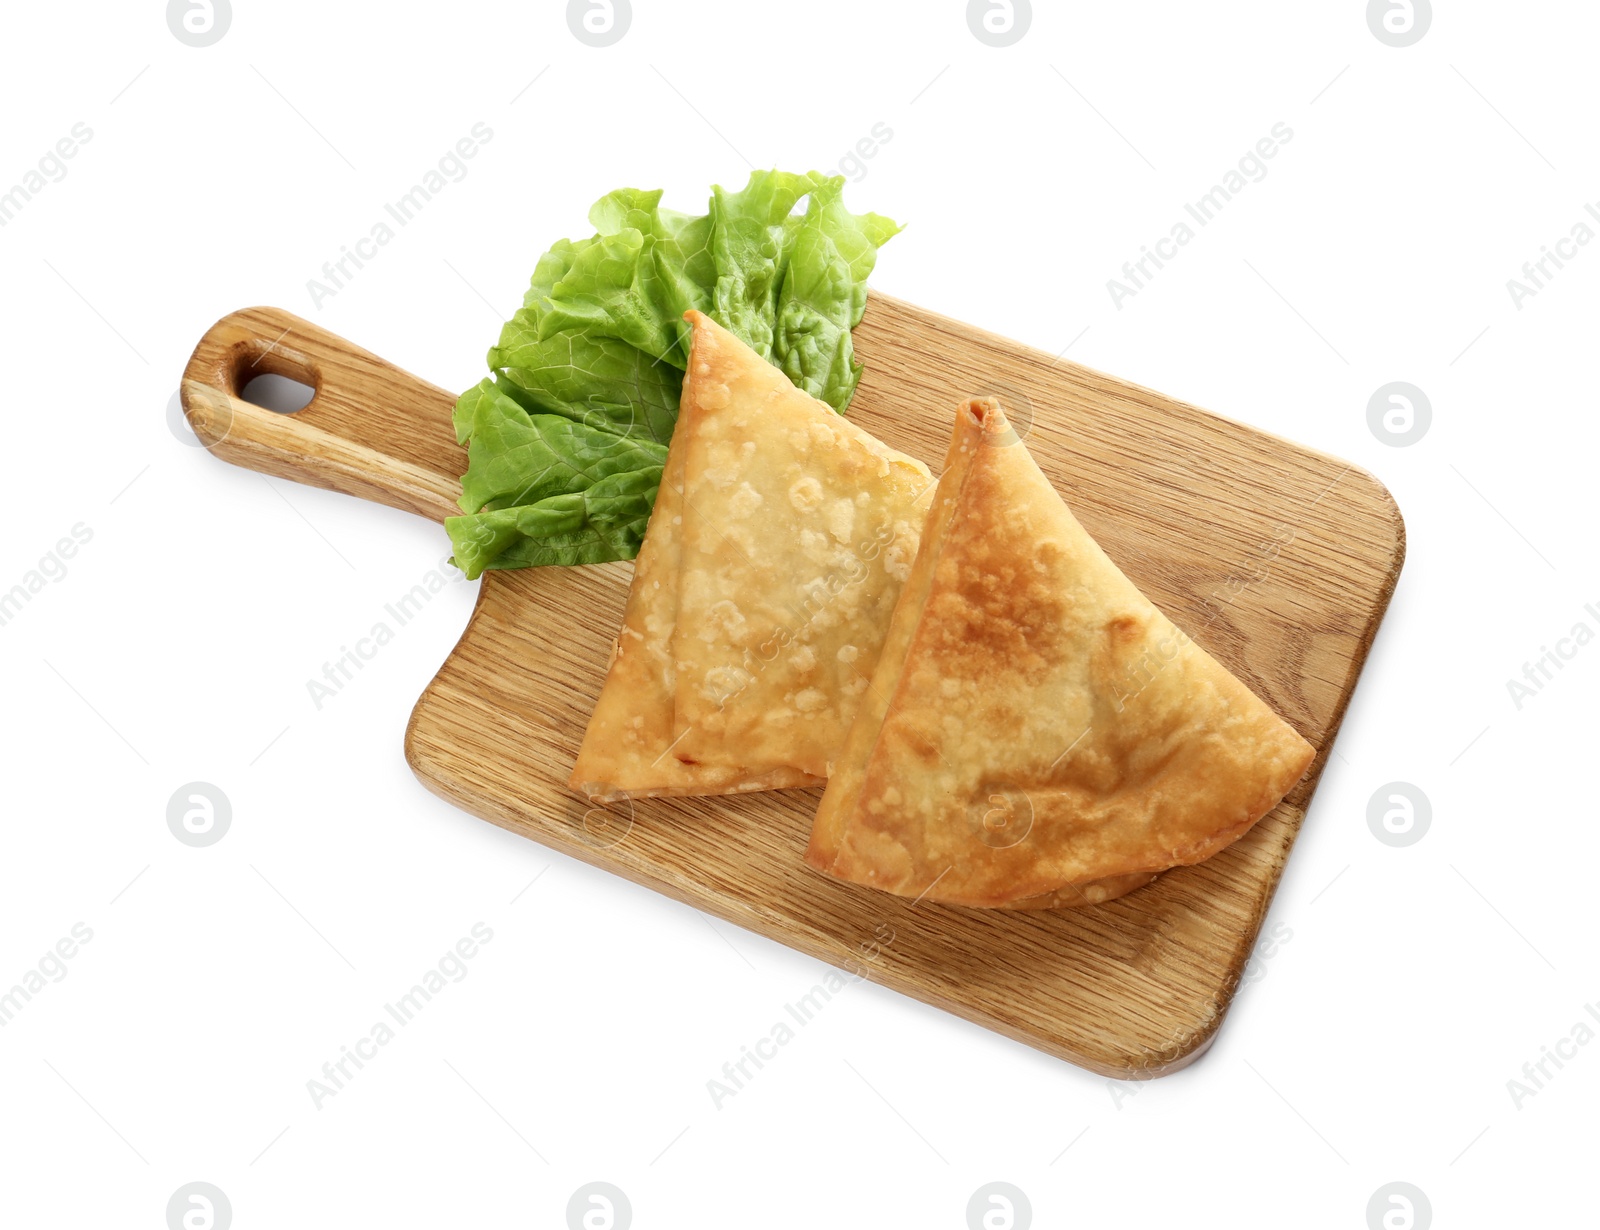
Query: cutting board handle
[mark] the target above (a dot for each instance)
(371, 430)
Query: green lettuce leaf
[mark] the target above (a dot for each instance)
(567, 436)
(831, 254)
(549, 489)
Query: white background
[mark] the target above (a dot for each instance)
(1374, 1046)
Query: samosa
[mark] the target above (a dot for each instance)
(1037, 732)
(780, 538)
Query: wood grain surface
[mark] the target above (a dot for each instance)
(1277, 559)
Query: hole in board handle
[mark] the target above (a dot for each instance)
(278, 393)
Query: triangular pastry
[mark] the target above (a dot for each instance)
(771, 565)
(626, 746)
(1037, 733)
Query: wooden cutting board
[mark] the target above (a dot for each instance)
(1277, 559)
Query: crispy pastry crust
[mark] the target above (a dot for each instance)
(781, 536)
(625, 748)
(1037, 732)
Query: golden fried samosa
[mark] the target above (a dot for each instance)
(763, 590)
(1037, 733)
(626, 746)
